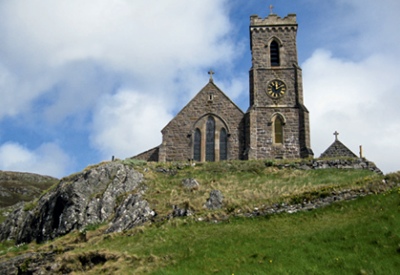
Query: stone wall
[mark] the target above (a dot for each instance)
(339, 163)
(327, 199)
(149, 155)
(178, 135)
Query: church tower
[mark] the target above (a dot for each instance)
(277, 122)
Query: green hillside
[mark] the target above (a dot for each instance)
(17, 186)
(359, 236)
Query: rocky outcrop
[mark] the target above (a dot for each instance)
(105, 193)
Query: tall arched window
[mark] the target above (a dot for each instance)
(197, 145)
(274, 53)
(223, 145)
(210, 139)
(278, 130)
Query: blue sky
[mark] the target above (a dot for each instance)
(81, 81)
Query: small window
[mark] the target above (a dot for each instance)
(197, 145)
(278, 130)
(274, 52)
(223, 145)
(210, 139)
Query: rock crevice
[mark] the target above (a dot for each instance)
(90, 197)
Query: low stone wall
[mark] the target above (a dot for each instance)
(149, 155)
(356, 163)
(334, 196)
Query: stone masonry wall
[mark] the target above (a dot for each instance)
(178, 135)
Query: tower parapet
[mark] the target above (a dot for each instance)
(273, 20)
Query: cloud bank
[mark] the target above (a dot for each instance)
(118, 68)
(357, 93)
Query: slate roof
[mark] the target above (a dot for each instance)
(338, 149)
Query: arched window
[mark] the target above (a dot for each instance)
(210, 139)
(274, 53)
(197, 145)
(223, 145)
(278, 130)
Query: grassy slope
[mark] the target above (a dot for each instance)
(245, 185)
(357, 237)
(361, 236)
(19, 186)
(16, 187)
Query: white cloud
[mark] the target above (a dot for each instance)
(128, 123)
(146, 44)
(353, 87)
(357, 98)
(47, 159)
(80, 59)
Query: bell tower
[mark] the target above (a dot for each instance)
(277, 122)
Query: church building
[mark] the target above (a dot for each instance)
(211, 127)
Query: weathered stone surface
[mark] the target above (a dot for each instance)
(29, 263)
(179, 133)
(132, 212)
(337, 149)
(190, 184)
(86, 198)
(308, 205)
(215, 200)
(181, 212)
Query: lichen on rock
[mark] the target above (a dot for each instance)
(90, 197)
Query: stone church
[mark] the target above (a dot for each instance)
(211, 127)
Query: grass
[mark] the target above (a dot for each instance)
(22, 186)
(354, 237)
(245, 185)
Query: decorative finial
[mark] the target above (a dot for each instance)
(336, 134)
(211, 73)
(271, 9)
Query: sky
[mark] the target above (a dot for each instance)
(84, 80)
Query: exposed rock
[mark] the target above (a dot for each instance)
(81, 199)
(331, 163)
(181, 212)
(29, 263)
(190, 184)
(133, 211)
(215, 200)
(318, 202)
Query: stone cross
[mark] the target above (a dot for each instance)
(211, 73)
(271, 9)
(336, 134)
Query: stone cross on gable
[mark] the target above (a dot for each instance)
(336, 135)
(211, 73)
(271, 9)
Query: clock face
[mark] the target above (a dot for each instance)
(276, 88)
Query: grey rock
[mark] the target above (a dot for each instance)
(190, 184)
(79, 200)
(132, 212)
(181, 212)
(215, 200)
